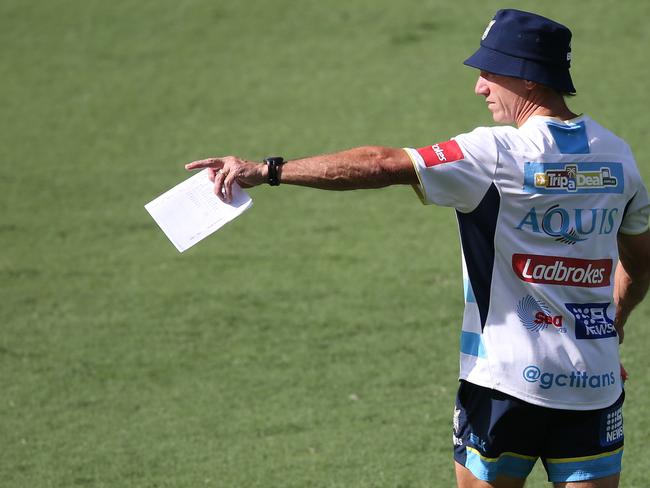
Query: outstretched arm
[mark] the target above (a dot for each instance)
(632, 276)
(358, 168)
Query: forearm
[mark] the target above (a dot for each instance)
(632, 276)
(629, 290)
(362, 167)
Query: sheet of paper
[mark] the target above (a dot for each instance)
(191, 211)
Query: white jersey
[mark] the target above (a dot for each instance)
(539, 209)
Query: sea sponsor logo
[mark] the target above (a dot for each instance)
(591, 320)
(569, 226)
(557, 270)
(574, 379)
(573, 178)
(536, 315)
(443, 152)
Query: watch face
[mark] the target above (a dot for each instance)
(274, 159)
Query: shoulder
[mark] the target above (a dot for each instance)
(487, 134)
(493, 140)
(603, 140)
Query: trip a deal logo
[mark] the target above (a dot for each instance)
(557, 178)
(558, 270)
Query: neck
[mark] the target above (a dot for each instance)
(543, 102)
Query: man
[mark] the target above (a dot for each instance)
(553, 219)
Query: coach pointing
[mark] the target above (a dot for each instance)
(553, 219)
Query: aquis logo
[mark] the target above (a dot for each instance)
(570, 225)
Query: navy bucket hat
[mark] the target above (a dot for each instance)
(528, 46)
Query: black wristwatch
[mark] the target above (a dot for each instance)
(273, 163)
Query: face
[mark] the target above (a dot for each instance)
(504, 95)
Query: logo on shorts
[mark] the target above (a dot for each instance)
(477, 441)
(443, 152)
(558, 270)
(612, 427)
(536, 316)
(573, 178)
(570, 225)
(591, 320)
(454, 437)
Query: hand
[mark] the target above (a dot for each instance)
(624, 374)
(225, 171)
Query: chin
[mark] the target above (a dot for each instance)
(501, 119)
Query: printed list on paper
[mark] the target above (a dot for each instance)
(191, 211)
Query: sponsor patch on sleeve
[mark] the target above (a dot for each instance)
(443, 152)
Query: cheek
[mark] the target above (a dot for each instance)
(502, 102)
(498, 103)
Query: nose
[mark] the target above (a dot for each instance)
(481, 87)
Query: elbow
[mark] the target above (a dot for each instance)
(389, 166)
(638, 275)
(382, 156)
(634, 256)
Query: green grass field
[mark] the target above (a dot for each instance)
(312, 342)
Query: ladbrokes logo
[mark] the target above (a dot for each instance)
(573, 178)
(443, 152)
(556, 270)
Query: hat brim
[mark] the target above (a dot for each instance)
(499, 63)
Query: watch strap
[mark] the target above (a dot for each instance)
(273, 163)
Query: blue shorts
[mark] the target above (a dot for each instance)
(497, 434)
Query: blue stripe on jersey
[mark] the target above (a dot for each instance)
(570, 138)
(469, 293)
(477, 229)
(586, 468)
(471, 343)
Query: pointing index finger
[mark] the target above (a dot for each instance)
(205, 163)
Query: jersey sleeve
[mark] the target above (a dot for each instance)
(456, 173)
(637, 211)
